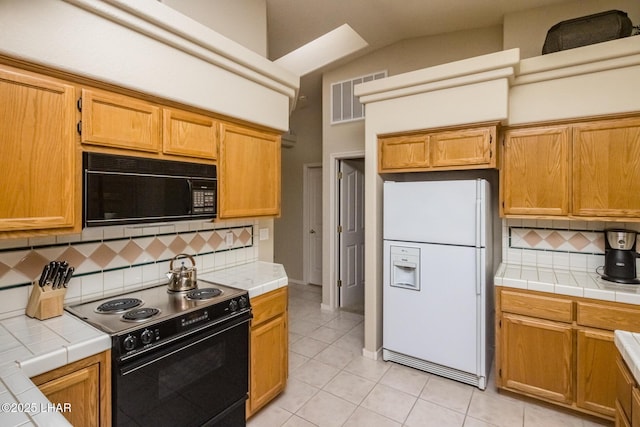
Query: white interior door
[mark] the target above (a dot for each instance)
(314, 225)
(351, 236)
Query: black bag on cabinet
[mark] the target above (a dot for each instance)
(586, 30)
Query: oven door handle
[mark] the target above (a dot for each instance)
(155, 357)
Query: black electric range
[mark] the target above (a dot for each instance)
(178, 358)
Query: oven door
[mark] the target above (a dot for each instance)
(199, 379)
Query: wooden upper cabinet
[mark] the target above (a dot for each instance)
(606, 168)
(119, 121)
(40, 177)
(189, 134)
(534, 178)
(455, 149)
(403, 153)
(248, 172)
(463, 148)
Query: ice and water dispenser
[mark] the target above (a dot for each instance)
(405, 267)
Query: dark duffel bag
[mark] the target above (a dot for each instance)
(586, 30)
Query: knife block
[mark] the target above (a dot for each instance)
(45, 302)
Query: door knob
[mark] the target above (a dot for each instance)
(312, 231)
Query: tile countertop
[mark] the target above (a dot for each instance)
(257, 277)
(565, 282)
(29, 347)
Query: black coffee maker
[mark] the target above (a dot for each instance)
(620, 256)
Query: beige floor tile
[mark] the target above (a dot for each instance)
(270, 416)
(295, 395)
(315, 373)
(405, 379)
(365, 418)
(389, 402)
(325, 409)
(335, 356)
(296, 421)
(296, 360)
(494, 410)
(427, 414)
(472, 422)
(367, 368)
(349, 387)
(302, 327)
(327, 335)
(308, 346)
(448, 393)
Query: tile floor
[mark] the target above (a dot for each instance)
(331, 384)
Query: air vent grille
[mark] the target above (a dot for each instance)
(345, 106)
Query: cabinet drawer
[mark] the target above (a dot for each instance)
(551, 308)
(608, 317)
(269, 305)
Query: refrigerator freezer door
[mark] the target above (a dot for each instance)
(442, 322)
(449, 212)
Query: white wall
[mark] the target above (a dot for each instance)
(243, 21)
(345, 139)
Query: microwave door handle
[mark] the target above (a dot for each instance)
(189, 198)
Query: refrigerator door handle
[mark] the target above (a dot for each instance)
(478, 213)
(478, 271)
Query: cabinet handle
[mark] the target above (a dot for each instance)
(79, 104)
(79, 127)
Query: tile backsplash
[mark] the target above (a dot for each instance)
(575, 245)
(112, 260)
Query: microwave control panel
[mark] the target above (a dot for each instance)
(204, 201)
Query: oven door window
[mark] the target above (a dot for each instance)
(187, 384)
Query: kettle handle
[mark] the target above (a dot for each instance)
(193, 263)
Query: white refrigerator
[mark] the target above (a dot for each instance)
(438, 286)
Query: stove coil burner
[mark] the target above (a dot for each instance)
(140, 314)
(203, 294)
(119, 305)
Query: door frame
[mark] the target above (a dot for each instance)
(330, 237)
(306, 265)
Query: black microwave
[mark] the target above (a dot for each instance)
(121, 190)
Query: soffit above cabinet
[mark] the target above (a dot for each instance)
(148, 47)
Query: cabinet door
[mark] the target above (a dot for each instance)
(624, 386)
(189, 134)
(621, 418)
(80, 390)
(535, 172)
(606, 168)
(635, 408)
(596, 371)
(268, 361)
(465, 147)
(119, 121)
(403, 153)
(38, 152)
(537, 357)
(248, 173)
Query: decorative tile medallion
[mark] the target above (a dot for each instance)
(571, 241)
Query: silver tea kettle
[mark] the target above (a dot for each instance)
(182, 278)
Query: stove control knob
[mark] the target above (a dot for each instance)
(146, 336)
(233, 305)
(243, 302)
(129, 343)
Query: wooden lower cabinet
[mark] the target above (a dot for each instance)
(560, 349)
(596, 371)
(85, 386)
(537, 357)
(627, 405)
(268, 362)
